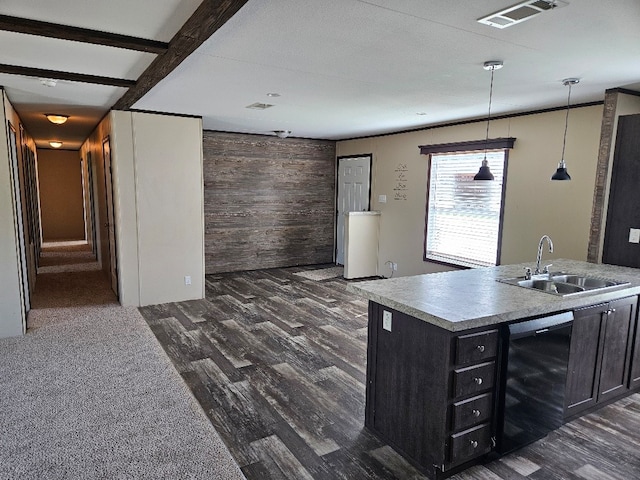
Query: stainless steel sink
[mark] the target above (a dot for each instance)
(588, 283)
(563, 284)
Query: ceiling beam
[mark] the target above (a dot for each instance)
(70, 76)
(205, 21)
(66, 32)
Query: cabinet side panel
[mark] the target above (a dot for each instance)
(372, 345)
(410, 394)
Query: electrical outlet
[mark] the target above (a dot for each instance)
(634, 235)
(187, 280)
(386, 320)
(394, 266)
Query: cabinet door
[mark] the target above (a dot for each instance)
(634, 377)
(616, 348)
(584, 361)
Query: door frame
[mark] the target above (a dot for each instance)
(111, 216)
(23, 268)
(91, 226)
(335, 219)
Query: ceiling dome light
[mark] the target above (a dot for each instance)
(282, 133)
(56, 118)
(55, 143)
(484, 173)
(561, 172)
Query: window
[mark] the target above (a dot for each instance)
(464, 216)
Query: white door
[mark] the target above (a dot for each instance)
(111, 223)
(354, 178)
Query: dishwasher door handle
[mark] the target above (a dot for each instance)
(543, 330)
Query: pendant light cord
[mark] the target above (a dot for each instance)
(489, 114)
(566, 124)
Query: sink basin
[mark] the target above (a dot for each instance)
(558, 288)
(587, 282)
(564, 284)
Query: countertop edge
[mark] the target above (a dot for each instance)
(547, 304)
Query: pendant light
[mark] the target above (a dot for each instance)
(561, 172)
(484, 173)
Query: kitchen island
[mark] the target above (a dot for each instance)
(436, 352)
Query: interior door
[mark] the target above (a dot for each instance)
(110, 224)
(354, 184)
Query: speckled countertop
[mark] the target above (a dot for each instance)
(473, 298)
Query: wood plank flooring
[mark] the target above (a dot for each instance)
(278, 364)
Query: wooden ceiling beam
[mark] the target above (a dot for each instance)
(67, 32)
(70, 76)
(205, 21)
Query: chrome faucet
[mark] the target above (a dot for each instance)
(539, 256)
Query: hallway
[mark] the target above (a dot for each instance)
(70, 276)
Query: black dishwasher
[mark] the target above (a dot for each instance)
(533, 376)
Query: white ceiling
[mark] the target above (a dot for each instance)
(343, 68)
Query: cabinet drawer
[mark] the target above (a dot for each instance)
(474, 379)
(471, 443)
(476, 347)
(472, 411)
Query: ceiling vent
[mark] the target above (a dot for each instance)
(520, 12)
(259, 106)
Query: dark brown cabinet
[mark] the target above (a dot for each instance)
(600, 356)
(634, 377)
(430, 391)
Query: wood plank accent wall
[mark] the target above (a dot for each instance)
(268, 202)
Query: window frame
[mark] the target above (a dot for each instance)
(475, 146)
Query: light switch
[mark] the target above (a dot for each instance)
(634, 235)
(382, 198)
(386, 320)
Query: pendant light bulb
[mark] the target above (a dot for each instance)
(561, 173)
(484, 173)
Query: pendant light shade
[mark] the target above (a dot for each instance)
(561, 172)
(484, 173)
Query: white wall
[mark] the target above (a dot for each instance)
(158, 204)
(534, 205)
(169, 200)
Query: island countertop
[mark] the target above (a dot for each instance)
(473, 298)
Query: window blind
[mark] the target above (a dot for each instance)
(463, 215)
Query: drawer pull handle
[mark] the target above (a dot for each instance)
(473, 443)
(478, 380)
(480, 348)
(476, 413)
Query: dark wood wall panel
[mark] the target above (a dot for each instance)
(268, 202)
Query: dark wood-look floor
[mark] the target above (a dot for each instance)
(278, 364)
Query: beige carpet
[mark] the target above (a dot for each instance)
(322, 273)
(89, 393)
